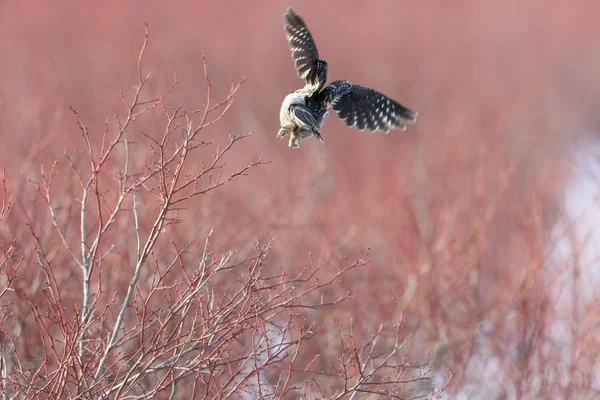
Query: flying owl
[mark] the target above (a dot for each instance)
(304, 111)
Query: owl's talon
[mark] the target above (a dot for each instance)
(294, 142)
(283, 133)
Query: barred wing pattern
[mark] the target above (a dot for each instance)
(306, 118)
(365, 108)
(304, 51)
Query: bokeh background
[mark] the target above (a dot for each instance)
(481, 218)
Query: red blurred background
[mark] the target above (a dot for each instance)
(463, 212)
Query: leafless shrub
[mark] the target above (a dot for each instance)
(190, 321)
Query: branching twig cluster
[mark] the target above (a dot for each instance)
(365, 369)
(189, 322)
(10, 263)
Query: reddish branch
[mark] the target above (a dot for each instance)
(223, 323)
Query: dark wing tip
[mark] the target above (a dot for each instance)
(293, 20)
(403, 115)
(291, 17)
(410, 116)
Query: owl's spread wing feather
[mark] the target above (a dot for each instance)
(365, 108)
(304, 52)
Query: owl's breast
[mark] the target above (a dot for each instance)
(290, 100)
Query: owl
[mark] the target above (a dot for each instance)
(304, 111)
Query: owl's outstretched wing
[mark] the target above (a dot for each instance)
(365, 108)
(304, 52)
